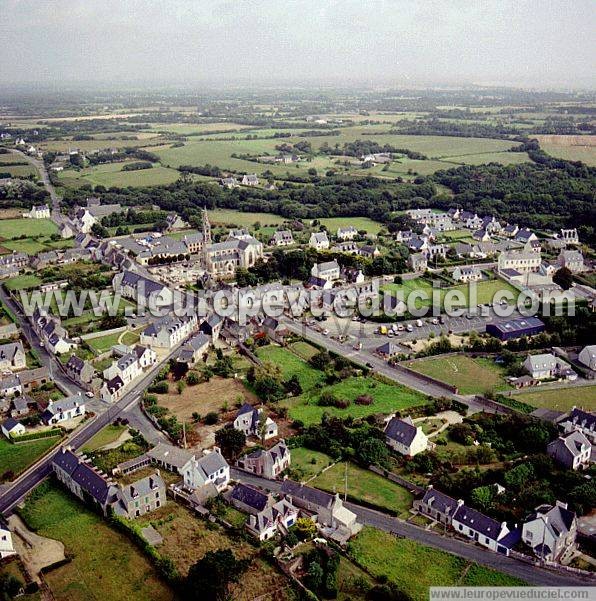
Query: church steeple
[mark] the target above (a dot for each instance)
(206, 228)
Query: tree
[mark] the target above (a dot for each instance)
(193, 378)
(262, 429)
(230, 441)
(372, 452)
(482, 497)
(181, 385)
(564, 278)
(268, 381)
(314, 576)
(519, 476)
(210, 578)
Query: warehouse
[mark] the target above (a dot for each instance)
(515, 328)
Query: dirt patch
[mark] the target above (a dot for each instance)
(36, 551)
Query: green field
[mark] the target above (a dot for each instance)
(561, 399)
(303, 349)
(471, 376)
(12, 228)
(414, 568)
(18, 170)
(309, 463)
(364, 485)
(360, 223)
(105, 436)
(387, 398)
(14, 458)
(101, 344)
(229, 217)
(22, 282)
(111, 174)
(291, 365)
(101, 558)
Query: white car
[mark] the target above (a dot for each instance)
(418, 323)
(89, 394)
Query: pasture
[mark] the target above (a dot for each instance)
(560, 399)
(111, 174)
(229, 217)
(13, 228)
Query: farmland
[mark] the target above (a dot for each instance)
(571, 148)
(111, 174)
(13, 228)
(471, 376)
(96, 551)
(414, 568)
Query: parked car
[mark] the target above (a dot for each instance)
(418, 323)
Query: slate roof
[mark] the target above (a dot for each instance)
(478, 521)
(560, 519)
(250, 496)
(569, 444)
(306, 493)
(170, 454)
(582, 418)
(211, 463)
(401, 430)
(10, 423)
(142, 487)
(440, 501)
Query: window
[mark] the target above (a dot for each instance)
(157, 503)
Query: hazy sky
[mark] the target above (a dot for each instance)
(521, 42)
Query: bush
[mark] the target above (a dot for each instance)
(211, 418)
(364, 399)
(160, 387)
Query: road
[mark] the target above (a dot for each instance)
(508, 565)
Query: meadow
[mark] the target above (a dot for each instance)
(560, 399)
(14, 458)
(111, 174)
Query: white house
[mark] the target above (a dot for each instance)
(319, 240)
(328, 271)
(168, 331)
(38, 212)
(267, 463)
(587, 357)
(64, 409)
(346, 233)
(572, 450)
(6, 545)
(546, 365)
(248, 420)
(404, 437)
(550, 531)
(250, 179)
(11, 428)
(282, 238)
(466, 273)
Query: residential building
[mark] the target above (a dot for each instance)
(10, 386)
(418, 262)
(66, 231)
(510, 230)
(143, 290)
(248, 420)
(274, 329)
(571, 450)
(239, 234)
(328, 271)
(587, 357)
(175, 222)
(404, 437)
(368, 251)
(346, 233)
(522, 261)
(525, 235)
(166, 332)
(212, 326)
(141, 497)
(546, 365)
(572, 260)
(269, 463)
(82, 372)
(581, 420)
(248, 499)
(20, 405)
(38, 212)
(319, 240)
(12, 356)
(229, 182)
(64, 409)
(281, 238)
(194, 349)
(6, 544)
(250, 179)
(11, 428)
(437, 506)
(467, 273)
(389, 350)
(550, 531)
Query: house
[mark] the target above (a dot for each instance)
(229, 182)
(319, 240)
(421, 215)
(481, 235)
(404, 437)
(248, 420)
(525, 235)
(38, 212)
(239, 234)
(20, 405)
(250, 179)
(140, 497)
(168, 331)
(66, 231)
(418, 262)
(212, 326)
(274, 329)
(175, 222)
(572, 260)
(10, 385)
(80, 371)
(248, 499)
(587, 357)
(281, 238)
(269, 463)
(389, 350)
(546, 365)
(6, 544)
(569, 236)
(467, 273)
(571, 450)
(64, 409)
(550, 531)
(522, 261)
(404, 236)
(437, 506)
(487, 532)
(12, 356)
(11, 428)
(346, 233)
(473, 222)
(210, 469)
(112, 390)
(316, 283)
(143, 290)
(24, 381)
(328, 271)
(352, 275)
(491, 226)
(194, 349)
(368, 251)
(581, 420)
(510, 230)
(171, 458)
(328, 509)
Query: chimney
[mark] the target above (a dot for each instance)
(561, 504)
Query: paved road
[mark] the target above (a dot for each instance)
(508, 565)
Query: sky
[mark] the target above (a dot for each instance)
(527, 43)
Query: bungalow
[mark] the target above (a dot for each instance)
(12, 356)
(281, 238)
(64, 409)
(328, 271)
(267, 463)
(249, 421)
(467, 274)
(319, 240)
(12, 428)
(404, 437)
(572, 450)
(550, 531)
(346, 233)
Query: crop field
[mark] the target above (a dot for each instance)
(471, 376)
(102, 559)
(90, 145)
(230, 217)
(188, 129)
(387, 398)
(571, 148)
(364, 485)
(18, 170)
(560, 399)
(111, 174)
(360, 223)
(414, 568)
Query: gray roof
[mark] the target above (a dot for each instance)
(8, 351)
(560, 519)
(250, 496)
(170, 454)
(10, 423)
(478, 521)
(167, 322)
(211, 463)
(568, 445)
(440, 501)
(401, 430)
(582, 418)
(306, 493)
(142, 487)
(66, 404)
(130, 278)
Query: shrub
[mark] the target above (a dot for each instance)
(364, 399)
(211, 418)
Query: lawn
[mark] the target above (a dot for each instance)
(107, 435)
(101, 344)
(414, 568)
(291, 365)
(387, 398)
(364, 485)
(308, 463)
(304, 349)
(561, 399)
(22, 282)
(105, 564)
(13, 228)
(14, 458)
(471, 376)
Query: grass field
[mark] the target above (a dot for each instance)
(309, 463)
(230, 217)
(360, 223)
(291, 365)
(111, 174)
(105, 436)
(387, 398)
(365, 486)
(18, 170)
(561, 399)
(304, 349)
(571, 148)
(471, 376)
(101, 344)
(17, 457)
(414, 568)
(12, 228)
(102, 559)
(22, 282)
